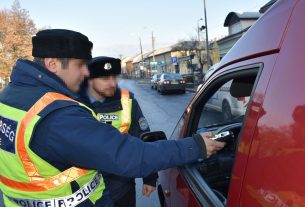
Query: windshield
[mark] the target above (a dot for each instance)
(172, 76)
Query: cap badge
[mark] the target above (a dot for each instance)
(107, 66)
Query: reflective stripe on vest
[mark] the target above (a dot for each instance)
(73, 200)
(37, 182)
(126, 112)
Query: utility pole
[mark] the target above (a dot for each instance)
(206, 34)
(153, 45)
(141, 58)
(153, 52)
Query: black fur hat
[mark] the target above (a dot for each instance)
(61, 43)
(104, 66)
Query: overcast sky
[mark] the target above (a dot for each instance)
(114, 26)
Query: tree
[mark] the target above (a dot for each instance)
(16, 31)
(215, 53)
(193, 46)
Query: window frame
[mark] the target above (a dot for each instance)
(195, 181)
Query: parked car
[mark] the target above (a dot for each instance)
(228, 105)
(154, 80)
(171, 82)
(210, 71)
(262, 163)
(223, 101)
(208, 74)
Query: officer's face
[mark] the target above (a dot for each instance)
(104, 86)
(74, 74)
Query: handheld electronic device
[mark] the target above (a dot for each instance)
(223, 136)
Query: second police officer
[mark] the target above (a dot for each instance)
(119, 108)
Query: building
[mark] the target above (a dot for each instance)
(127, 67)
(238, 24)
(182, 57)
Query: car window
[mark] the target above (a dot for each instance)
(222, 108)
(172, 76)
(175, 76)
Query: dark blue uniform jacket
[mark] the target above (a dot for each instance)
(118, 185)
(71, 136)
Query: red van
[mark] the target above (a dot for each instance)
(262, 163)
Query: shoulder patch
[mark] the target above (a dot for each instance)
(8, 131)
(143, 123)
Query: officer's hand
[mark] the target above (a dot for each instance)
(212, 146)
(148, 189)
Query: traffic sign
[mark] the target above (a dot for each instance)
(175, 60)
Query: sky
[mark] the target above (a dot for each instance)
(116, 26)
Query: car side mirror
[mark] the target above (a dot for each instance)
(153, 136)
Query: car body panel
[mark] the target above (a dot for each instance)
(279, 179)
(268, 169)
(254, 111)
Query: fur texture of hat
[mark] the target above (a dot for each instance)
(61, 43)
(104, 66)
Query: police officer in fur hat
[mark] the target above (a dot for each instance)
(53, 147)
(119, 108)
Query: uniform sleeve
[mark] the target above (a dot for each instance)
(72, 137)
(139, 125)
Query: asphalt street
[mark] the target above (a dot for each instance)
(162, 113)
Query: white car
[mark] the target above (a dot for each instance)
(208, 74)
(228, 105)
(223, 101)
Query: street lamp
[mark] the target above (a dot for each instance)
(200, 28)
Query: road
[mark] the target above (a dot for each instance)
(162, 113)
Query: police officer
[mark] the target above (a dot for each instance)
(111, 103)
(52, 146)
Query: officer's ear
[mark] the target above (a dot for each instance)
(52, 64)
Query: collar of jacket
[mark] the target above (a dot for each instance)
(28, 73)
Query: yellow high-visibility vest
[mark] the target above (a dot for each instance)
(28, 180)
